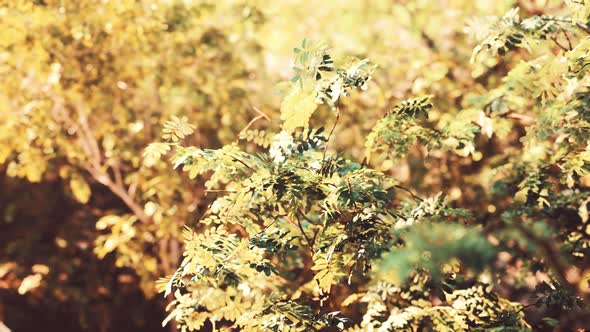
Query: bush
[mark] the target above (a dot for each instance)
(442, 185)
(303, 238)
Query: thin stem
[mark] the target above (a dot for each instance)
(306, 217)
(527, 306)
(132, 188)
(569, 42)
(554, 38)
(118, 175)
(315, 236)
(579, 25)
(583, 28)
(550, 18)
(409, 192)
(331, 132)
(260, 115)
(272, 305)
(238, 160)
(219, 191)
(267, 226)
(302, 231)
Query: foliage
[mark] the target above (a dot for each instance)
(435, 187)
(342, 214)
(83, 84)
(314, 227)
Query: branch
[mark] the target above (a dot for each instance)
(95, 166)
(118, 176)
(552, 255)
(132, 188)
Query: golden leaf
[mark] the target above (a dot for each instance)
(521, 195)
(80, 189)
(28, 283)
(296, 109)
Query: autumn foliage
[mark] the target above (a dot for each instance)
(254, 166)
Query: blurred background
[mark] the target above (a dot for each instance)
(87, 224)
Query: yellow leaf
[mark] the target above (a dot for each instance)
(583, 210)
(325, 279)
(6, 268)
(33, 172)
(154, 152)
(28, 283)
(521, 195)
(80, 189)
(4, 153)
(350, 299)
(296, 109)
(40, 268)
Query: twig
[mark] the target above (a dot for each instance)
(528, 306)
(238, 160)
(95, 166)
(220, 191)
(305, 217)
(583, 28)
(267, 226)
(261, 115)
(302, 231)
(271, 305)
(118, 176)
(132, 188)
(312, 242)
(569, 42)
(409, 192)
(315, 236)
(554, 38)
(566, 20)
(331, 132)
